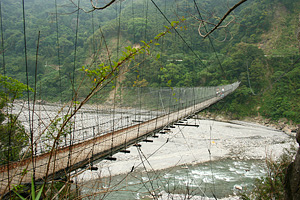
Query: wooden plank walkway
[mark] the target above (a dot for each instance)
(82, 154)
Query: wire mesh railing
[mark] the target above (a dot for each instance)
(97, 128)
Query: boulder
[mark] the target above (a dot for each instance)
(292, 180)
(287, 130)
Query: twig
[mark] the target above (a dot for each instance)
(224, 17)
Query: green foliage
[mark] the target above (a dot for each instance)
(136, 26)
(13, 139)
(283, 100)
(12, 134)
(53, 130)
(11, 89)
(34, 195)
(103, 73)
(272, 185)
(258, 50)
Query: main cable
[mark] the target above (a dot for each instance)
(5, 90)
(178, 34)
(27, 82)
(58, 50)
(133, 21)
(211, 43)
(74, 95)
(2, 41)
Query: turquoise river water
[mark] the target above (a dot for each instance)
(220, 178)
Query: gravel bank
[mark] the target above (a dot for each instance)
(212, 140)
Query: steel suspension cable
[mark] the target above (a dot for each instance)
(59, 72)
(118, 14)
(132, 10)
(27, 82)
(189, 148)
(146, 36)
(58, 51)
(249, 83)
(178, 33)
(5, 90)
(141, 155)
(97, 109)
(2, 41)
(33, 154)
(210, 40)
(282, 75)
(146, 24)
(75, 55)
(157, 150)
(74, 94)
(119, 27)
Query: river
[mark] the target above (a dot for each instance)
(222, 178)
(216, 158)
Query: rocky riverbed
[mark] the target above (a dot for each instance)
(189, 145)
(282, 124)
(212, 140)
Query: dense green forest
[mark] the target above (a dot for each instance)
(257, 47)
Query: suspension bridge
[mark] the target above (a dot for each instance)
(96, 136)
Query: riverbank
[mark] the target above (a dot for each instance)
(189, 145)
(212, 140)
(282, 124)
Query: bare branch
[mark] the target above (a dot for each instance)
(101, 8)
(203, 21)
(93, 6)
(224, 17)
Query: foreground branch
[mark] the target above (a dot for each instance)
(93, 6)
(224, 17)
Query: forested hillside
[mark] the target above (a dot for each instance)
(256, 45)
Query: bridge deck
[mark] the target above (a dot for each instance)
(82, 154)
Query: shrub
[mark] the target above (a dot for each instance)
(272, 185)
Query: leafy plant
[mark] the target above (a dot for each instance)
(272, 185)
(34, 195)
(12, 133)
(54, 128)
